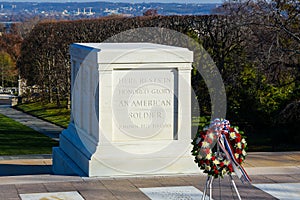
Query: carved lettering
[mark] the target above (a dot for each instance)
(144, 102)
(155, 80)
(145, 115)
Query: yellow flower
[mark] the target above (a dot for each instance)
(226, 162)
(232, 135)
(207, 168)
(236, 155)
(208, 156)
(216, 162)
(205, 144)
(224, 172)
(239, 145)
(244, 152)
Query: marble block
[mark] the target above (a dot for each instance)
(131, 111)
(284, 191)
(52, 196)
(173, 193)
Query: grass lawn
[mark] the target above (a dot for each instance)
(17, 139)
(49, 112)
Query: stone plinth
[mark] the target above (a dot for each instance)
(131, 111)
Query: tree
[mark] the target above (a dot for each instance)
(269, 85)
(8, 70)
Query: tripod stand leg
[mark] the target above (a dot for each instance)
(205, 188)
(235, 188)
(210, 188)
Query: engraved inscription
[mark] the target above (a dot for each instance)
(143, 103)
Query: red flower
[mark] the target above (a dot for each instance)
(207, 162)
(238, 151)
(238, 139)
(206, 151)
(209, 140)
(200, 144)
(201, 162)
(240, 160)
(221, 164)
(230, 168)
(216, 171)
(213, 158)
(214, 167)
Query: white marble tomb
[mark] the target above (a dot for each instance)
(131, 111)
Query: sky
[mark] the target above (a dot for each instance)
(127, 1)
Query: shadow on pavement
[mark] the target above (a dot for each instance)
(15, 169)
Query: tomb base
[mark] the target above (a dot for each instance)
(132, 158)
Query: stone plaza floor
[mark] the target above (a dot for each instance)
(274, 176)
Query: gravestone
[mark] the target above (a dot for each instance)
(131, 111)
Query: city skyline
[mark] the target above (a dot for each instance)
(123, 1)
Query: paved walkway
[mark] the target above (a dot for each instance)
(39, 125)
(23, 175)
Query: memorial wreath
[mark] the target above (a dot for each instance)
(220, 149)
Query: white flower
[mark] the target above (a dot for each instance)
(199, 156)
(224, 172)
(205, 144)
(207, 168)
(208, 156)
(243, 141)
(226, 162)
(216, 162)
(232, 135)
(239, 145)
(236, 155)
(211, 136)
(244, 152)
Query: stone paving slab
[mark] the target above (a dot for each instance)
(26, 157)
(273, 159)
(273, 170)
(55, 195)
(32, 179)
(173, 193)
(287, 191)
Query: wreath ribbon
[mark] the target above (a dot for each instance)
(227, 149)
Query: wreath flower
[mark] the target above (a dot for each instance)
(220, 149)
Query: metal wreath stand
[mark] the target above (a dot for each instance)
(210, 179)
